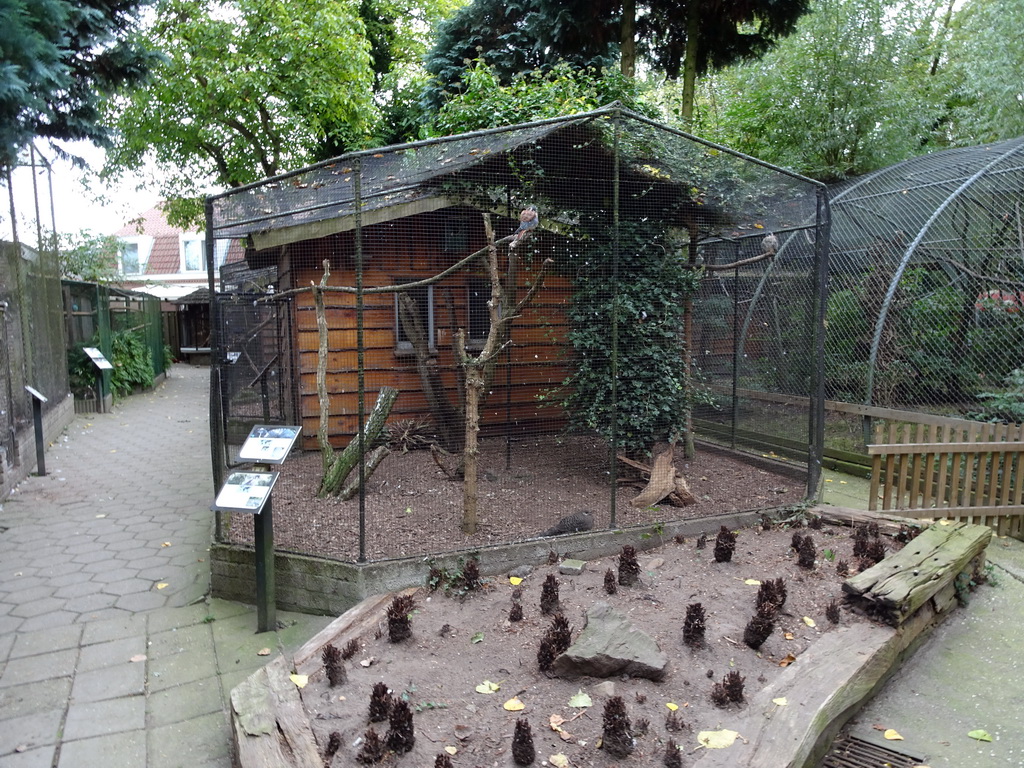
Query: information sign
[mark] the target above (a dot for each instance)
(268, 444)
(246, 492)
(97, 358)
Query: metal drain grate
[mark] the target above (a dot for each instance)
(851, 752)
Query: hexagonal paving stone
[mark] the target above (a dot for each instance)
(141, 601)
(29, 595)
(128, 586)
(38, 607)
(115, 573)
(91, 557)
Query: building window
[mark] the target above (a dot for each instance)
(193, 253)
(424, 298)
(479, 319)
(133, 255)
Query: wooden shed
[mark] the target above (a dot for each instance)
(408, 213)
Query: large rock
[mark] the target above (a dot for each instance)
(608, 646)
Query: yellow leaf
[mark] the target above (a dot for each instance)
(515, 581)
(162, 585)
(487, 687)
(555, 721)
(263, 652)
(514, 704)
(788, 635)
(790, 658)
(559, 761)
(299, 680)
(166, 544)
(892, 735)
(752, 582)
(780, 702)
(581, 700)
(809, 621)
(945, 522)
(672, 706)
(717, 739)
(451, 750)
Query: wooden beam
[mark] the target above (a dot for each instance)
(904, 581)
(918, 448)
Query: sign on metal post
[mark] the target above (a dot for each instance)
(37, 420)
(102, 364)
(249, 492)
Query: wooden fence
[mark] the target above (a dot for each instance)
(971, 472)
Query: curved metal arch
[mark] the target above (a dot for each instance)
(890, 293)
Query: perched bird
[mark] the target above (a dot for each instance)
(770, 244)
(577, 521)
(528, 220)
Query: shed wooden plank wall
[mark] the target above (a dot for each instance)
(401, 251)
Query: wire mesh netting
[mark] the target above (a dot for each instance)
(527, 312)
(926, 307)
(32, 350)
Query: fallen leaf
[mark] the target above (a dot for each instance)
(263, 652)
(166, 544)
(809, 621)
(515, 581)
(100, 517)
(790, 658)
(945, 522)
(892, 735)
(788, 635)
(299, 680)
(980, 735)
(673, 706)
(717, 739)
(581, 700)
(751, 582)
(780, 702)
(451, 750)
(137, 658)
(477, 638)
(514, 705)
(559, 761)
(162, 585)
(367, 662)
(564, 735)
(555, 721)
(487, 687)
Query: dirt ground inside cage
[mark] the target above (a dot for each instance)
(525, 486)
(462, 642)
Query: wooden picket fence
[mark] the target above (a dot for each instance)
(967, 471)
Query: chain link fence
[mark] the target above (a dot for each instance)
(538, 309)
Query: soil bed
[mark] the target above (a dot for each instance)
(457, 644)
(411, 508)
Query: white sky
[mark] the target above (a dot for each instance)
(79, 202)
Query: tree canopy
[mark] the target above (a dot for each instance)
(247, 88)
(58, 60)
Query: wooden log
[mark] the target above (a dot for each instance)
(343, 462)
(824, 687)
(662, 482)
(270, 725)
(901, 583)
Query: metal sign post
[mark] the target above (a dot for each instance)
(102, 364)
(250, 492)
(37, 419)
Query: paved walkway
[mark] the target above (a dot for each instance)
(111, 653)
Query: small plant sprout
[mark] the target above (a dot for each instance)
(673, 758)
(610, 583)
(832, 612)
(694, 625)
(808, 553)
(334, 667)
(523, 751)
(616, 735)
(351, 649)
(380, 703)
(400, 618)
(554, 643)
(400, 737)
(760, 627)
(373, 748)
(629, 568)
(725, 545)
(549, 595)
